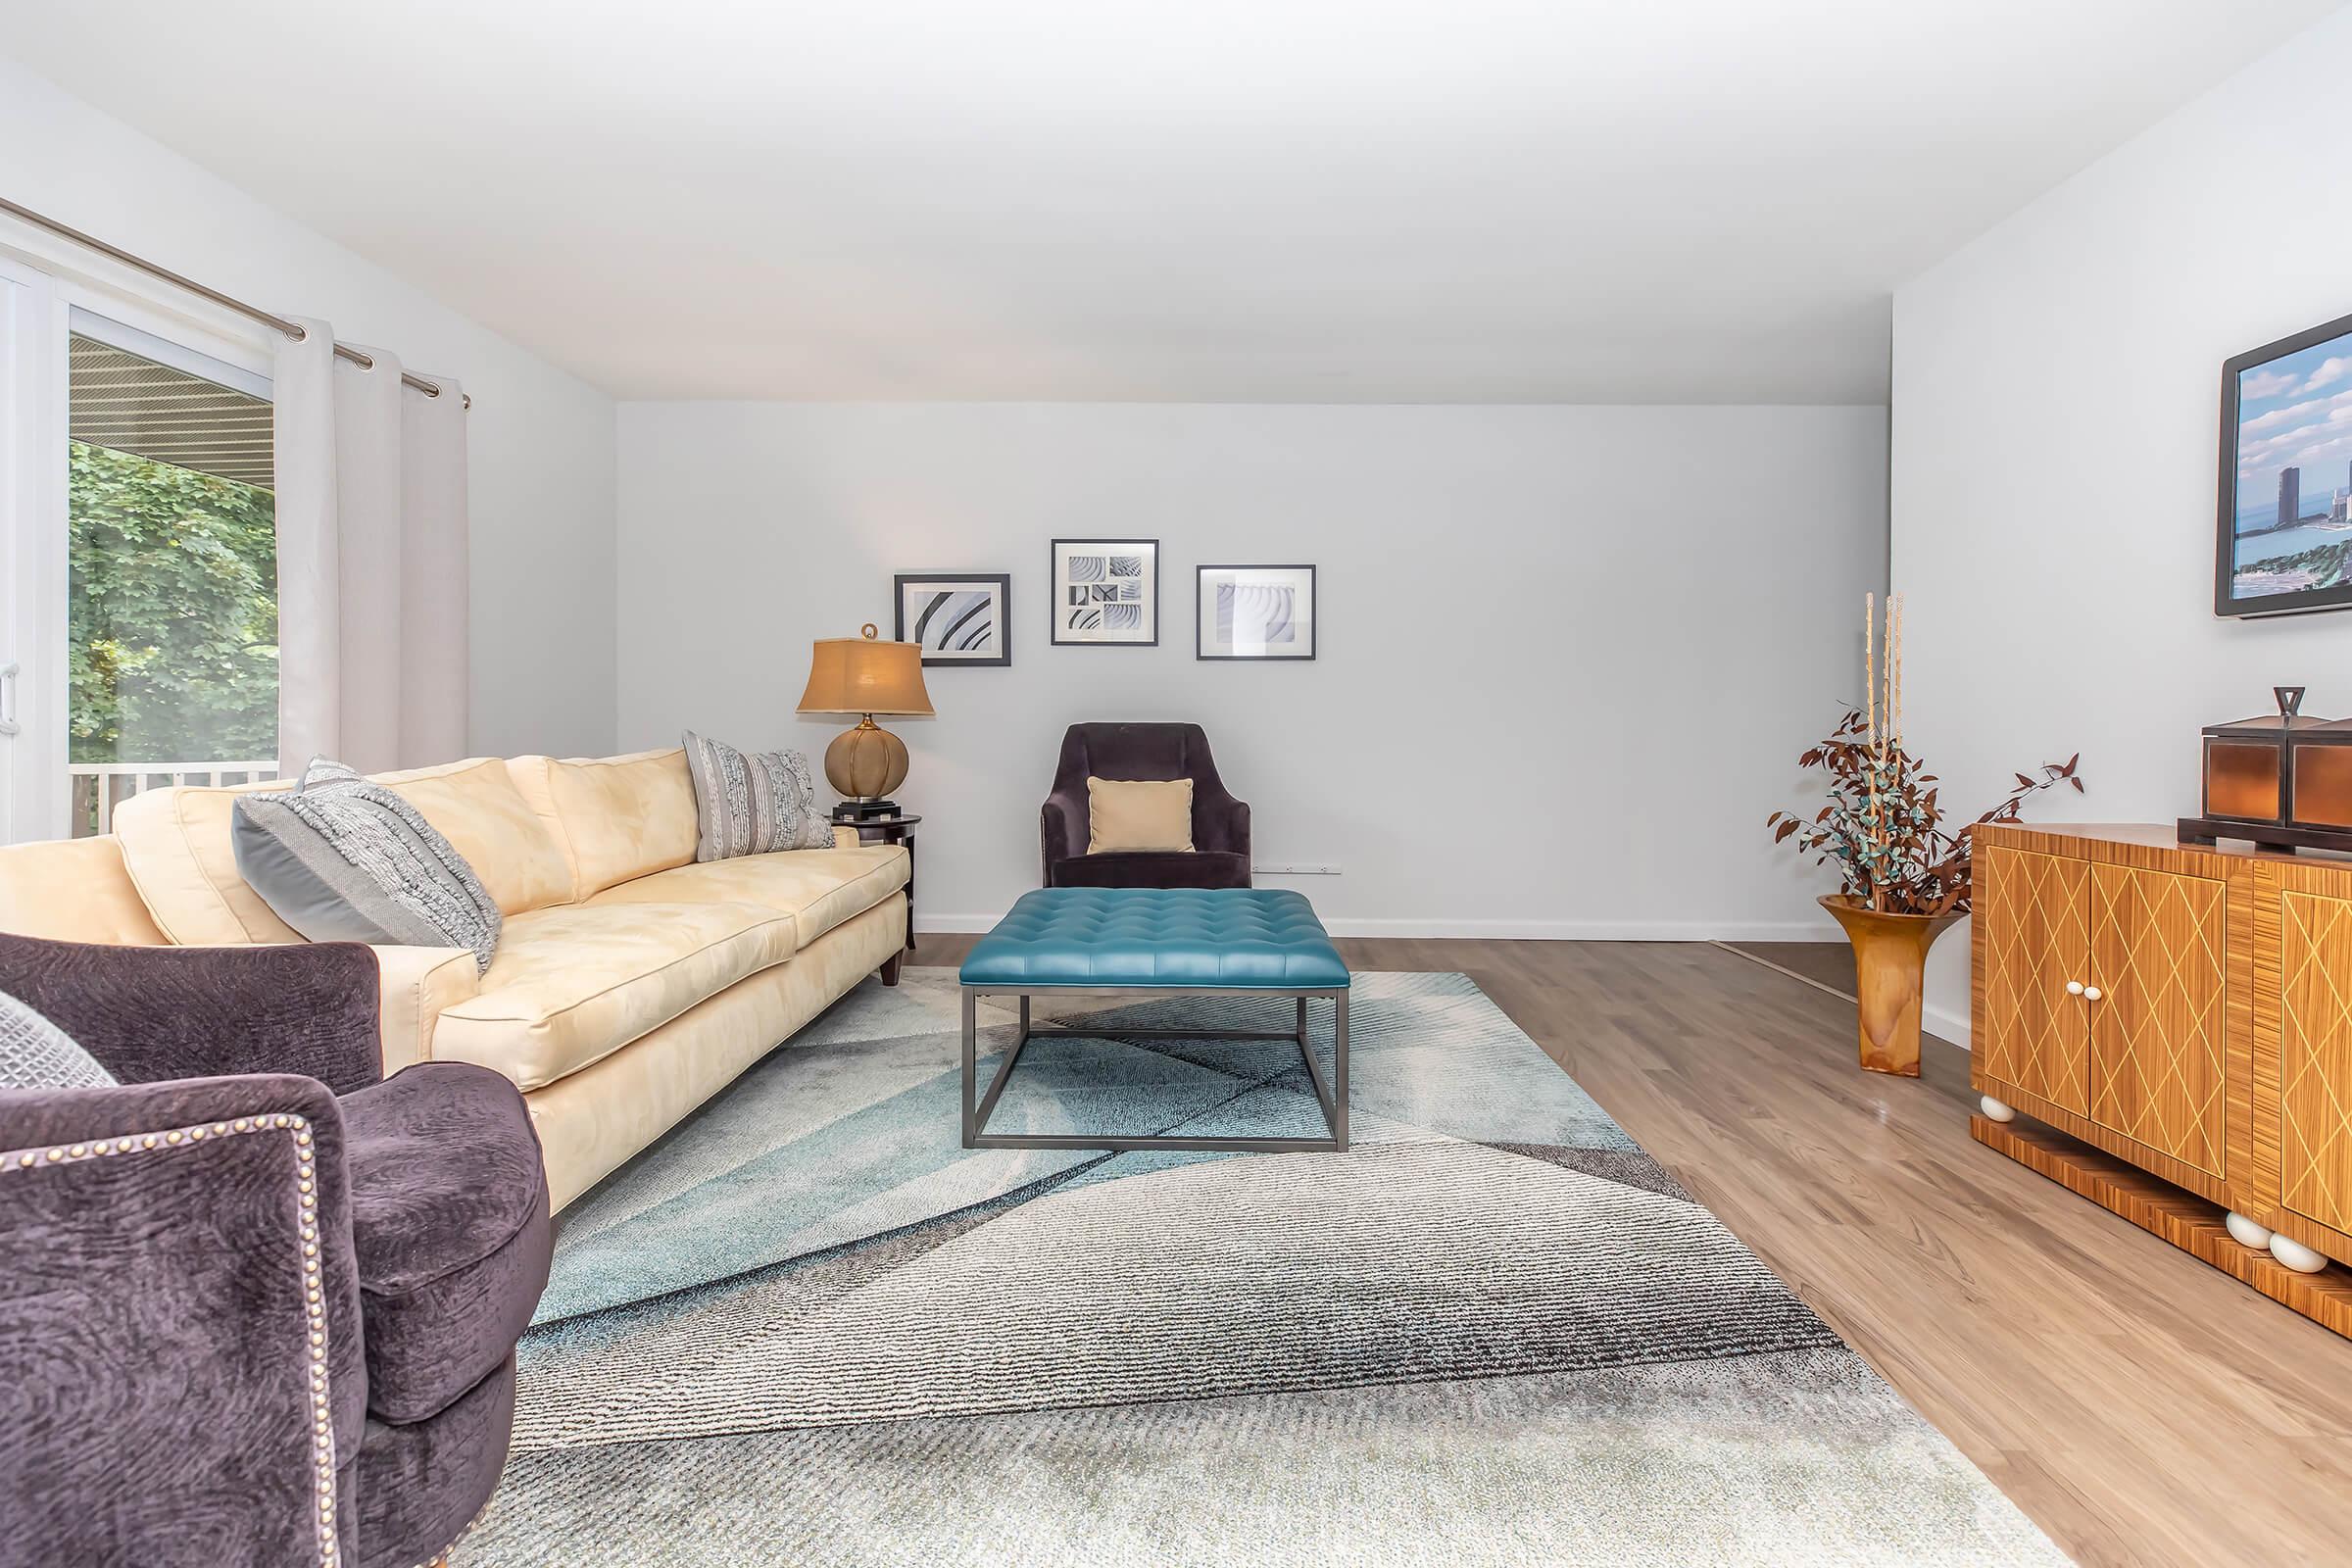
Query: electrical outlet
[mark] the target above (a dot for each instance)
(1290, 868)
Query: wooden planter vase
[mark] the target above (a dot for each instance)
(1890, 956)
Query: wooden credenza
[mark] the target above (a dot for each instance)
(2167, 1029)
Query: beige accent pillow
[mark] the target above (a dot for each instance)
(1138, 814)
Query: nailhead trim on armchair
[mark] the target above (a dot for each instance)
(306, 1192)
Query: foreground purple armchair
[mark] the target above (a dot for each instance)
(1221, 854)
(256, 1303)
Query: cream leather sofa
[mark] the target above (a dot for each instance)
(630, 983)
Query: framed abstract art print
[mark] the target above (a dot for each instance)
(959, 617)
(1105, 592)
(1254, 612)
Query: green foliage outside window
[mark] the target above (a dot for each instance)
(172, 615)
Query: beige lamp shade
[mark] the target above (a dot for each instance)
(865, 675)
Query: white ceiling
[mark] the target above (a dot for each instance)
(1229, 200)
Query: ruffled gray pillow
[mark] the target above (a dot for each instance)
(343, 859)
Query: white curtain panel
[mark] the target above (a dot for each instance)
(367, 530)
(371, 560)
(310, 592)
(435, 656)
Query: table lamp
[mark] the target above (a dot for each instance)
(865, 677)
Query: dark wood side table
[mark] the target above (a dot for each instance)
(890, 830)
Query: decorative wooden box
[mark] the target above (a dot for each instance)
(2282, 780)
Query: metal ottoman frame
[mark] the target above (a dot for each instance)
(1331, 1095)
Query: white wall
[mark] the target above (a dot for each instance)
(541, 442)
(2056, 396)
(1568, 654)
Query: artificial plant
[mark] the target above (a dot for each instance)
(1882, 827)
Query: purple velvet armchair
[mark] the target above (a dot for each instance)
(257, 1304)
(1220, 856)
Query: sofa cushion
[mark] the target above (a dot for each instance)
(477, 807)
(574, 983)
(175, 845)
(74, 890)
(614, 817)
(593, 1121)
(449, 1221)
(819, 888)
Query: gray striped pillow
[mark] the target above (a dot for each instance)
(753, 802)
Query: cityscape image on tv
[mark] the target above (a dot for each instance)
(2293, 524)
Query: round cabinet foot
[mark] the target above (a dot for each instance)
(2295, 1255)
(1997, 1111)
(2246, 1233)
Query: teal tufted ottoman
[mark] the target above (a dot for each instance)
(1153, 942)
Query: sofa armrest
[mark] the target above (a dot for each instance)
(845, 837)
(159, 1252)
(153, 1013)
(417, 984)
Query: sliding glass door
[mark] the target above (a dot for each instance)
(141, 640)
(172, 571)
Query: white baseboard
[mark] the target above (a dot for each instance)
(1953, 1026)
(955, 924)
(1514, 930)
(1596, 930)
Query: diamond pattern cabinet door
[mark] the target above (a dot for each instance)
(2158, 1029)
(2035, 911)
(2315, 1057)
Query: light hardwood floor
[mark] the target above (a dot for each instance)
(2142, 1407)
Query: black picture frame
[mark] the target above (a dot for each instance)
(1001, 581)
(1055, 593)
(1314, 594)
(2225, 564)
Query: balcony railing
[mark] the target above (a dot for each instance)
(100, 787)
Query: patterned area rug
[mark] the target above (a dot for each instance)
(809, 1327)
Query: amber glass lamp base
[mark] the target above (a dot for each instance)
(865, 761)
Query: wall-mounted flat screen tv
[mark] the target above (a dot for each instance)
(2285, 524)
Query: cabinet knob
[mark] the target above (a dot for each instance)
(2091, 993)
(2073, 987)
